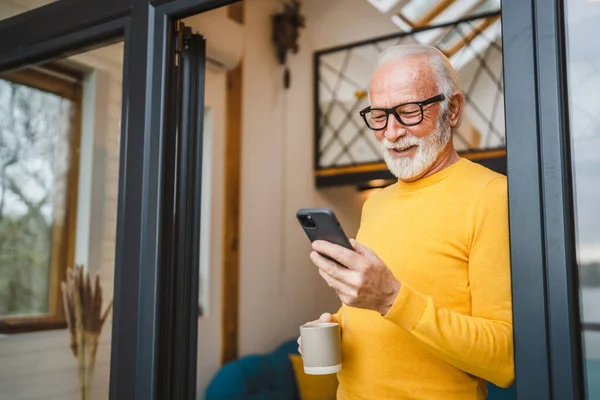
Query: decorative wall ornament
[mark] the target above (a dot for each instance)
(285, 33)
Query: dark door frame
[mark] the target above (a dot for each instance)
(547, 328)
(73, 26)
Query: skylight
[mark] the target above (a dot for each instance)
(420, 13)
(384, 5)
(414, 10)
(413, 14)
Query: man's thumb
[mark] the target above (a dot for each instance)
(326, 317)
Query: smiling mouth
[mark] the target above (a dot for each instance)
(401, 151)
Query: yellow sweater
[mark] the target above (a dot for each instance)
(445, 237)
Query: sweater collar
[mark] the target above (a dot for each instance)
(433, 179)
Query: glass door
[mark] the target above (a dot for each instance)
(582, 22)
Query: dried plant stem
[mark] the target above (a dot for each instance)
(80, 341)
(83, 309)
(91, 343)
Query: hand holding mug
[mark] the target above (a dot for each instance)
(320, 346)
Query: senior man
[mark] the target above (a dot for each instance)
(426, 310)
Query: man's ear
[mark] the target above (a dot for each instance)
(455, 106)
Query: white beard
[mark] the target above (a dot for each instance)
(428, 149)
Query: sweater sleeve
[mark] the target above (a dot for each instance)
(481, 343)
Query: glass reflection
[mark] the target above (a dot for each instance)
(583, 67)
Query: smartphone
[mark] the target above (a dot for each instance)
(322, 224)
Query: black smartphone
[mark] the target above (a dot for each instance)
(322, 224)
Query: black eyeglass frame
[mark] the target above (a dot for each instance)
(388, 111)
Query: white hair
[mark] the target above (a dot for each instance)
(447, 79)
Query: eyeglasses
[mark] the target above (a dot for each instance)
(408, 114)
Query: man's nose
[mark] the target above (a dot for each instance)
(394, 130)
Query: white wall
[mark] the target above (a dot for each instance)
(280, 288)
(334, 22)
(41, 365)
(209, 326)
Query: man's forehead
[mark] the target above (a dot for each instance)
(413, 74)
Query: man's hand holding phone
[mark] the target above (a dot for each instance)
(359, 277)
(354, 271)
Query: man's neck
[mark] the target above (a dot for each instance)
(447, 157)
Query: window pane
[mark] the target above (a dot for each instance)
(10, 8)
(35, 138)
(583, 67)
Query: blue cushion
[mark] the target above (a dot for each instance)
(497, 393)
(257, 377)
(271, 377)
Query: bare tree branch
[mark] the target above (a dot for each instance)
(33, 207)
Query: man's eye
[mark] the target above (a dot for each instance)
(409, 113)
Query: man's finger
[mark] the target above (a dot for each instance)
(330, 267)
(341, 289)
(362, 249)
(342, 255)
(331, 282)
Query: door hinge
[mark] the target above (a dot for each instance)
(178, 41)
(183, 37)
